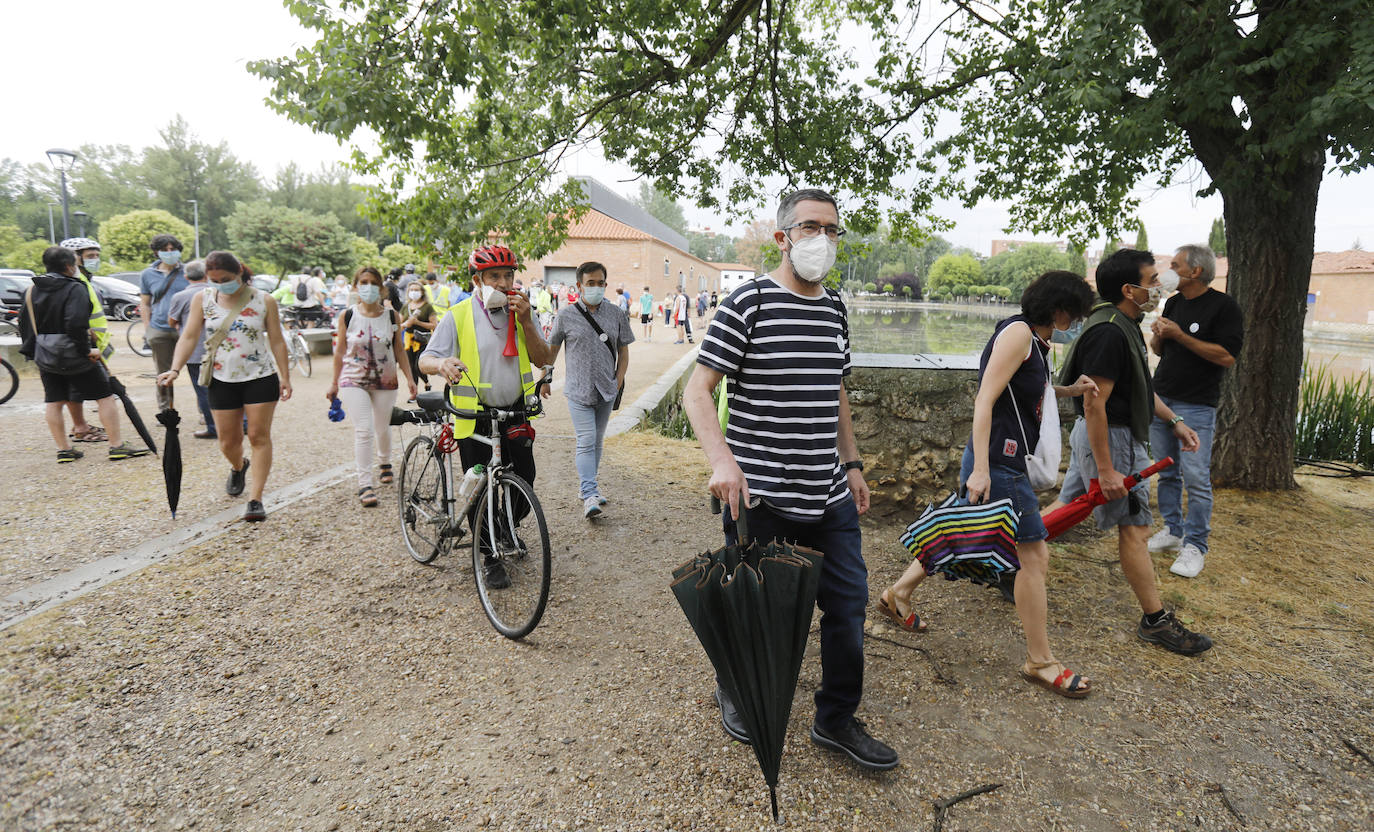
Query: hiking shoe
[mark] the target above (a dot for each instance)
(124, 451)
(730, 719)
(1165, 541)
(255, 513)
(1172, 635)
(854, 740)
(494, 574)
(234, 486)
(1189, 562)
(591, 507)
(69, 456)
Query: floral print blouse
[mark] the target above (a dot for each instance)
(244, 355)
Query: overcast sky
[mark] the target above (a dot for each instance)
(131, 67)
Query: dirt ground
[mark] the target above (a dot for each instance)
(306, 674)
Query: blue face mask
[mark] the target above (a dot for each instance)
(368, 293)
(593, 294)
(171, 258)
(91, 264)
(229, 287)
(1068, 335)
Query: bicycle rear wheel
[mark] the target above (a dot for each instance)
(519, 550)
(9, 381)
(137, 336)
(420, 496)
(300, 353)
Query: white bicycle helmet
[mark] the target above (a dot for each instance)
(80, 243)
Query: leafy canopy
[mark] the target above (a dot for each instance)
(126, 237)
(292, 240)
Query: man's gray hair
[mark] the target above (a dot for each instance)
(195, 270)
(1201, 257)
(787, 209)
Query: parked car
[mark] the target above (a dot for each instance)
(13, 284)
(132, 278)
(118, 297)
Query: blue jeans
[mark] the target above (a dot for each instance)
(202, 397)
(1008, 482)
(589, 422)
(842, 597)
(1193, 471)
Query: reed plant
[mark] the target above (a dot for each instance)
(1336, 416)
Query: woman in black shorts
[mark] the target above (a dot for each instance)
(244, 379)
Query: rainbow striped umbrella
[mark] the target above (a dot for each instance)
(974, 542)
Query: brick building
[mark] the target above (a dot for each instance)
(1341, 291)
(636, 249)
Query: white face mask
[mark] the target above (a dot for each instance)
(494, 298)
(415, 295)
(1156, 292)
(1169, 280)
(812, 258)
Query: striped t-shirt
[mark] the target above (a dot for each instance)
(786, 356)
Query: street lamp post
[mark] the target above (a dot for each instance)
(195, 208)
(81, 215)
(52, 232)
(63, 161)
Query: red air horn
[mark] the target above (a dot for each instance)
(511, 348)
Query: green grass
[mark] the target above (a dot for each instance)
(1336, 417)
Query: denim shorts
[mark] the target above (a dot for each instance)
(1009, 482)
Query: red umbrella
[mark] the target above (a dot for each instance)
(1062, 519)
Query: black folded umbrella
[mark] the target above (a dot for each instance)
(750, 605)
(171, 457)
(129, 410)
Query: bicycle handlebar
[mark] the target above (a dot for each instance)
(529, 412)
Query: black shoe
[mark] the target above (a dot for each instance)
(255, 513)
(730, 718)
(234, 486)
(1006, 584)
(1172, 635)
(855, 741)
(494, 573)
(69, 455)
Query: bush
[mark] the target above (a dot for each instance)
(1336, 417)
(27, 255)
(293, 240)
(125, 237)
(889, 288)
(399, 255)
(870, 287)
(956, 274)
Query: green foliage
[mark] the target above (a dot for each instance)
(400, 255)
(1016, 268)
(955, 274)
(889, 288)
(10, 239)
(27, 255)
(661, 206)
(870, 287)
(184, 168)
(291, 240)
(1336, 417)
(1142, 240)
(1216, 238)
(125, 238)
(330, 190)
(713, 248)
(366, 253)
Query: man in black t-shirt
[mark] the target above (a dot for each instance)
(1108, 439)
(1197, 337)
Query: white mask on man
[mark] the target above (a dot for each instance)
(1169, 280)
(812, 258)
(494, 298)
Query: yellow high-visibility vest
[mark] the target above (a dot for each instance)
(463, 395)
(99, 324)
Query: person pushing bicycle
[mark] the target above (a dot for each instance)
(470, 349)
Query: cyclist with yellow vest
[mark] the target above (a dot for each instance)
(87, 261)
(437, 293)
(468, 349)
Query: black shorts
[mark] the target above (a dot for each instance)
(233, 395)
(92, 385)
(644, 319)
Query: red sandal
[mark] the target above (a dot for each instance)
(911, 623)
(1067, 684)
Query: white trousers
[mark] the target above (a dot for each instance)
(370, 411)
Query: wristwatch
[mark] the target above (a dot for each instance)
(852, 464)
(1175, 420)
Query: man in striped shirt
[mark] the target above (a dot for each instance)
(783, 341)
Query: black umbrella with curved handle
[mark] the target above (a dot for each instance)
(171, 457)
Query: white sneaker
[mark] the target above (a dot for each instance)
(1189, 562)
(601, 499)
(591, 508)
(1163, 541)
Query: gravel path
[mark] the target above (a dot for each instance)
(306, 674)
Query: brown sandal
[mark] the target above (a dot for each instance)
(93, 433)
(911, 623)
(367, 496)
(1067, 684)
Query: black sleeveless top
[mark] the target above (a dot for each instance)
(1005, 443)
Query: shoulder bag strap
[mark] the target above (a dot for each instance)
(216, 338)
(600, 333)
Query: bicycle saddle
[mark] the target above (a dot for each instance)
(431, 400)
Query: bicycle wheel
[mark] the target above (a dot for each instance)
(521, 551)
(424, 517)
(300, 353)
(9, 381)
(137, 336)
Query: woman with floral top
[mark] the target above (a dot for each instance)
(367, 357)
(245, 380)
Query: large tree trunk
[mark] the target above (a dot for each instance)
(1270, 245)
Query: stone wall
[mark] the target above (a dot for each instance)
(912, 416)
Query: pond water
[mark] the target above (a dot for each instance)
(905, 330)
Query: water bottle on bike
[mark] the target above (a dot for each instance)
(467, 489)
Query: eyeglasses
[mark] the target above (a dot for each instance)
(811, 229)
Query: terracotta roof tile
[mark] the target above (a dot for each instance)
(595, 225)
(1327, 262)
